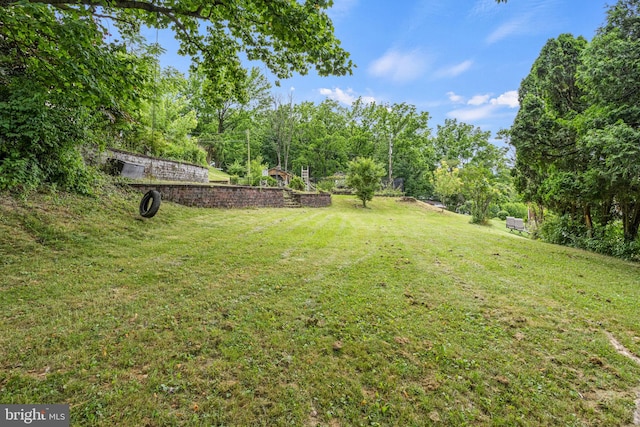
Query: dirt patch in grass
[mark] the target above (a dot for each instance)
(625, 352)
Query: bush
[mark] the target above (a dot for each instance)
(389, 192)
(561, 230)
(607, 240)
(493, 210)
(269, 181)
(237, 168)
(297, 183)
(327, 185)
(41, 137)
(516, 210)
(503, 215)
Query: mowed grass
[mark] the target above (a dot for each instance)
(395, 315)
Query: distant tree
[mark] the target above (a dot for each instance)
(397, 136)
(364, 176)
(223, 117)
(320, 141)
(459, 142)
(478, 186)
(447, 182)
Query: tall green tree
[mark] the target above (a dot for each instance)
(224, 119)
(320, 140)
(446, 183)
(458, 142)
(398, 136)
(545, 135)
(610, 127)
(166, 121)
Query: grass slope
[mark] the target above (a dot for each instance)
(340, 316)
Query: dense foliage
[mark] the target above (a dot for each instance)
(364, 177)
(576, 134)
(67, 82)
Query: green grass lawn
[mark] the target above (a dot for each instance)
(395, 315)
(218, 175)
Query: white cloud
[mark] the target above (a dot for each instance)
(400, 67)
(454, 70)
(346, 97)
(472, 114)
(483, 107)
(479, 99)
(516, 26)
(509, 99)
(453, 97)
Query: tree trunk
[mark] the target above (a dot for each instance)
(605, 212)
(588, 221)
(630, 220)
(390, 183)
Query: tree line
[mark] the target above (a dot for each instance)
(53, 107)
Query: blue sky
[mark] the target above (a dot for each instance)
(461, 59)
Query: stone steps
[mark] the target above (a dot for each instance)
(289, 200)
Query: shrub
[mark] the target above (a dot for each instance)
(503, 215)
(297, 183)
(327, 185)
(561, 230)
(269, 181)
(493, 210)
(237, 168)
(516, 210)
(607, 240)
(389, 192)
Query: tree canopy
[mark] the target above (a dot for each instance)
(576, 134)
(286, 35)
(66, 80)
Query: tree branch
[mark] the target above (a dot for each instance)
(122, 4)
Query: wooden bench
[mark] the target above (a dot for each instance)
(516, 224)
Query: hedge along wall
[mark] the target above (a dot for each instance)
(161, 169)
(219, 196)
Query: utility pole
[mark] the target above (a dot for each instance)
(248, 158)
(390, 183)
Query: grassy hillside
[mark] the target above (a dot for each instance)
(341, 316)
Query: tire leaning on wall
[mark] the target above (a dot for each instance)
(150, 204)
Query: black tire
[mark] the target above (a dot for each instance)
(150, 204)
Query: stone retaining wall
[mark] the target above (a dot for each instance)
(223, 196)
(161, 169)
(315, 200)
